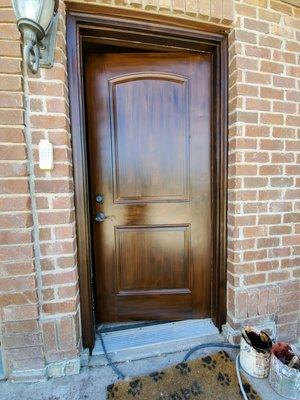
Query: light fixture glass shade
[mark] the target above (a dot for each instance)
(37, 20)
(38, 11)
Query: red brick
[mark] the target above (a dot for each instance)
(281, 182)
(255, 25)
(271, 67)
(56, 217)
(252, 304)
(254, 279)
(66, 334)
(269, 219)
(284, 82)
(257, 157)
(272, 119)
(262, 306)
(67, 291)
(254, 231)
(267, 242)
(281, 7)
(45, 121)
(41, 88)
(20, 313)
(7, 14)
(270, 93)
(48, 294)
(15, 253)
(278, 276)
(10, 83)
(293, 120)
(259, 52)
(245, 10)
(243, 144)
(258, 78)
(291, 240)
(57, 248)
(59, 278)
(255, 182)
(241, 305)
(22, 340)
(49, 336)
(13, 152)
(270, 170)
(258, 105)
(263, 266)
(280, 230)
(11, 117)
(21, 327)
(53, 186)
(271, 144)
(270, 41)
(284, 132)
(9, 237)
(11, 100)
(66, 306)
(24, 267)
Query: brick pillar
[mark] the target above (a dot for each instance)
(39, 300)
(264, 155)
(21, 338)
(55, 215)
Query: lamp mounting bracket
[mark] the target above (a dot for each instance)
(47, 45)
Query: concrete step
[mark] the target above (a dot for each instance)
(154, 340)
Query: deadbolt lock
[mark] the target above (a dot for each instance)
(99, 198)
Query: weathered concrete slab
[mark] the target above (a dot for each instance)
(91, 383)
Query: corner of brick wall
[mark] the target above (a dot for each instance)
(21, 340)
(39, 299)
(264, 171)
(54, 194)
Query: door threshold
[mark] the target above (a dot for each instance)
(122, 326)
(153, 340)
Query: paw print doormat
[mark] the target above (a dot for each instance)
(211, 377)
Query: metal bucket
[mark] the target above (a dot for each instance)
(255, 363)
(284, 380)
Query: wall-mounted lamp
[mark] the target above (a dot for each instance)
(37, 21)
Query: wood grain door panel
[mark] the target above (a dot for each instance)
(144, 254)
(149, 137)
(163, 126)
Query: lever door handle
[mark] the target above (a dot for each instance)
(100, 217)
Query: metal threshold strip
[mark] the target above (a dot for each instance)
(143, 340)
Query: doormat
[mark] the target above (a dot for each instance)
(211, 377)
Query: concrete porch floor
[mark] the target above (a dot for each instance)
(91, 383)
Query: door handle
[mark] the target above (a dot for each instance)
(100, 217)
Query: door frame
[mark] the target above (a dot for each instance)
(83, 26)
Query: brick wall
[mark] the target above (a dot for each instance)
(54, 208)
(264, 170)
(18, 296)
(209, 11)
(39, 300)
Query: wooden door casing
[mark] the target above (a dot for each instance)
(87, 29)
(149, 136)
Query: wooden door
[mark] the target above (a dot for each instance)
(149, 138)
